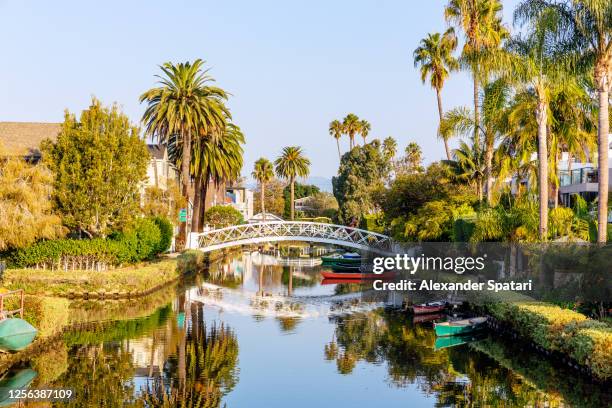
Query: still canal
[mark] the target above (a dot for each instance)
(251, 332)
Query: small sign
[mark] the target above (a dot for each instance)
(183, 215)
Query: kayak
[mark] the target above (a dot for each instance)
(460, 327)
(430, 307)
(16, 334)
(355, 275)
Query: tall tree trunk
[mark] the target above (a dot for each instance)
(292, 195)
(263, 203)
(476, 109)
(542, 119)
(197, 202)
(205, 182)
(338, 146)
(441, 114)
(603, 140)
(185, 161)
(489, 142)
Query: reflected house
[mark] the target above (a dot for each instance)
(148, 356)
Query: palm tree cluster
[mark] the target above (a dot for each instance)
(188, 115)
(350, 126)
(291, 164)
(539, 93)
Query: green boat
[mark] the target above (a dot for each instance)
(16, 334)
(459, 327)
(346, 267)
(20, 380)
(334, 260)
(452, 341)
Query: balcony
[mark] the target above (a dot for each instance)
(586, 175)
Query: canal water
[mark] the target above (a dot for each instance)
(250, 332)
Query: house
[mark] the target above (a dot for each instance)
(160, 171)
(241, 198)
(23, 139)
(303, 204)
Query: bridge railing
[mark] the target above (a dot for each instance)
(285, 230)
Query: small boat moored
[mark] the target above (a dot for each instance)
(429, 307)
(459, 327)
(15, 333)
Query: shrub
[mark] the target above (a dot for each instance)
(167, 232)
(140, 243)
(220, 216)
(587, 341)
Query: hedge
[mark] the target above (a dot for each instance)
(586, 341)
(146, 239)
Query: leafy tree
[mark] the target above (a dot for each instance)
(274, 201)
(300, 191)
(167, 203)
(292, 164)
(186, 107)
(435, 57)
(26, 208)
(220, 216)
(99, 163)
(323, 204)
(361, 172)
(263, 172)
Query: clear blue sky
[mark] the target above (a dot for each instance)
(292, 66)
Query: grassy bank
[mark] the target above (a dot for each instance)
(133, 280)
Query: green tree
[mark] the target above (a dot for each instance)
(26, 208)
(292, 164)
(99, 163)
(263, 172)
(300, 191)
(221, 216)
(361, 172)
(584, 35)
(184, 106)
(336, 130)
(435, 57)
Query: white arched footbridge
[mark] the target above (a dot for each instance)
(278, 231)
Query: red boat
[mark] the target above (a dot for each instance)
(427, 317)
(351, 276)
(431, 307)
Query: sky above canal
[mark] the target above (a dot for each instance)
(291, 66)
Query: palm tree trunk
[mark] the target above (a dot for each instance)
(476, 110)
(603, 140)
(542, 119)
(338, 146)
(205, 182)
(441, 113)
(489, 167)
(263, 204)
(292, 194)
(197, 202)
(185, 161)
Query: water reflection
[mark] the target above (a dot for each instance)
(249, 332)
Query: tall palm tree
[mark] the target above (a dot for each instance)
(435, 57)
(263, 172)
(351, 125)
(336, 129)
(584, 33)
(480, 21)
(292, 164)
(460, 122)
(212, 161)
(184, 105)
(468, 165)
(364, 129)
